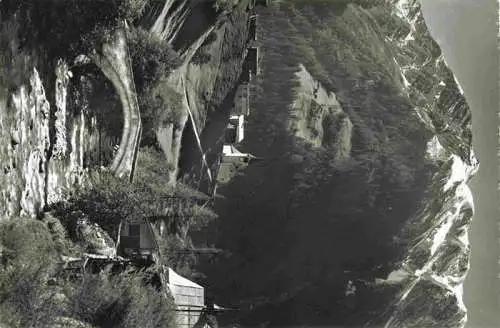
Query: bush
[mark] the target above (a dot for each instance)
(201, 57)
(106, 200)
(211, 38)
(27, 255)
(124, 301)
(152, 61)
(223, 5)
(132, 10)
(152, 58)
(159, 106)
(62, 236)
(28, 258)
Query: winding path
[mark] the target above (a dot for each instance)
(114, 61)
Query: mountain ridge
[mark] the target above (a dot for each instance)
(365, 135)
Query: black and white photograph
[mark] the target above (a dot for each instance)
(249, 164)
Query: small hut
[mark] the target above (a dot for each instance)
(235, 131)
(189, 298)
(136, 239)
(231, 161)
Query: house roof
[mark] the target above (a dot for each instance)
(176, 279)
(230, 150)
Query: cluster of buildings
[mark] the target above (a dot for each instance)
(232, 160)
(137, 247)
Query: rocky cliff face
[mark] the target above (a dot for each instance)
(212, 48)
(46, 158)
(30, 179)
(318, 117)
(25, 140)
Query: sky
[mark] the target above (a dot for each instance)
(467, 33)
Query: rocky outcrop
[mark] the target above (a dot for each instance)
(318, 118)
(438, 256)
(432, 86)
(46, 146)
(43, 145)
(211, 66)
(166, 18)
(93, 238)
(65, 166)
(24, 144)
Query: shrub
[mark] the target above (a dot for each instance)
(223, 5)
(123, 300)
(201, 57)
(132, 10)
(152, 61)
(152, 58)
(106, 200)
(159, 106)
(27, 258)
(211, 38)
(61, 236)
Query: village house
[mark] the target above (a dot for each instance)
(136, 239)
(189, 298)
(235, 131)
(231, 162)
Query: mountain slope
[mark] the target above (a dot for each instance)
(359, 211)
(305, 222)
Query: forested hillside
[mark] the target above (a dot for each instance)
(346, 201)
(299, 231)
